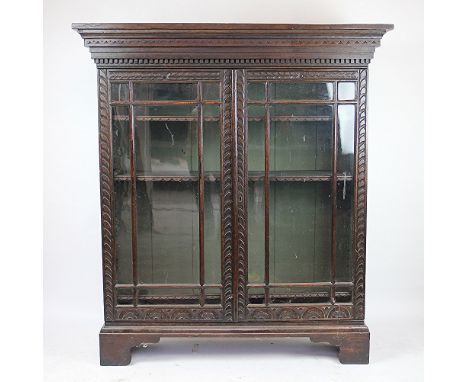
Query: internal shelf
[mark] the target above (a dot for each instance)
(274, 176)
(169, 118)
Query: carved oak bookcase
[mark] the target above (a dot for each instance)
(233, 173)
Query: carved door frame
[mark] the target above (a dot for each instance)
(311, 312)
(234, 183)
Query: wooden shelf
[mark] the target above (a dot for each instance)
(253, 177)
(169, 178)
(297, 176)
(164, 118)
(294, 118)
(168, 118)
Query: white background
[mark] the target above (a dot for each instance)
(72, 259)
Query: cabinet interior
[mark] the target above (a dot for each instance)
(300, 141)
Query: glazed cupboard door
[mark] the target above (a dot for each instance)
(167, 134)
(299, 128)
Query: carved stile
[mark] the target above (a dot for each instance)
(226, 196)
(361, 201)
(105, 160)
(241, 196)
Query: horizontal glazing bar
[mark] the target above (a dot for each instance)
(164, 118)
(162, 103)
(175, 286)
(169, 178)
(167, 118)
(171, 306)
(299, 305)
(297, 101)
(299, 285)
(286, 118)
(285, 177)
(215, 178)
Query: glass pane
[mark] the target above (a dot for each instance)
(307, 112)
(124, 296)
(143, 91)
(158, 113)
(346, 123)
(299, 295)
(302, 147)
(166, 148)
(346, 91)
(119, 92)
(211, 148)
(256, 232)
(256, 91)
(345, 191)
(300, 231)
(256, 202)
(123, 232)
(344, 229)
(120, 141)
(301, 90)
(211, 91)
(293, 295)
(172, 296)
(256, 295)
(212, 221)
(213, 296)
(212, 233)
(211, 111)
(256, 147)
(343, 294)
(256, 112)
(167, 220)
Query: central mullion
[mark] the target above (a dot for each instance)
(266, 188)
(201, 194)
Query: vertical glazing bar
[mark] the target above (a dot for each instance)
(266, 188)
(133, 196)
(334, 192)
(201, 194)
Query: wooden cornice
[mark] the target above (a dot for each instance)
(231, 44)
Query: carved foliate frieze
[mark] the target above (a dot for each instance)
(169, 314)
(300, 313)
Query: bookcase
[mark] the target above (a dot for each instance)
(233, 164)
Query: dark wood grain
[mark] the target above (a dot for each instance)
(116, 45)
(240, 196)
(232, 55)
(107, 195)
(360, 201)
(227, 191)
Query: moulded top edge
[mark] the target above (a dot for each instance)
(226, 25)
(219, 27)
